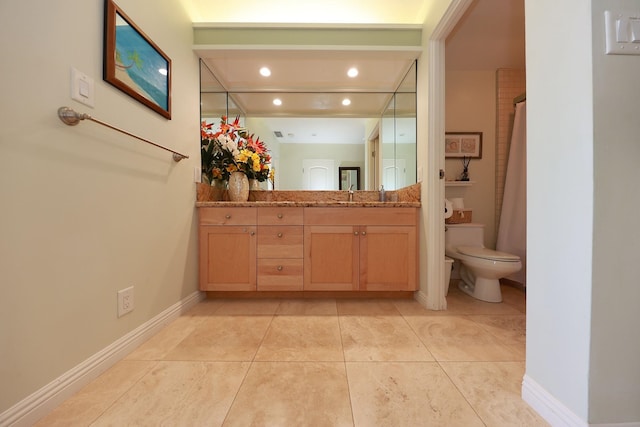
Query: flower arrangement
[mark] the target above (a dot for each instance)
(232, 149)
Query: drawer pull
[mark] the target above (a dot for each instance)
(355, 233)
(280, 216)
(227, 216)
(364, 233)
(279, 268)
(279, 234)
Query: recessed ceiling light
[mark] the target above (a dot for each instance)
(346, 102)
(352, 72)
(277, 101)
(264, 71)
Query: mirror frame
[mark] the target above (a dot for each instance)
(342, 169)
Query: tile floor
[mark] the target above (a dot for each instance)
(319, 363)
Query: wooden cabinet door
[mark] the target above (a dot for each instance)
(227, 258)
(331, 258)
(388, 258)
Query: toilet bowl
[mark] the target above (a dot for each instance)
(480, 268)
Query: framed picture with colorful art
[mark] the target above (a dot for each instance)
(463, 144)
(134, 63)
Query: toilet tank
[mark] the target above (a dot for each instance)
(470, 234)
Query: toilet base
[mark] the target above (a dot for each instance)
(480, 288)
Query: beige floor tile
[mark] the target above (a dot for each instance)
(493, 389)
(311, 307)
(204, 308)
(406, 394)
(510, 330)
(460, 303)
(380, 338)
(179, 394)
(414, 308)
(208, 352)
(248, 307)
(302, 338)
(223, 338)
(366, 307)
(514, 297)
(292, 394)
(89, 403)
(157, 347)
(458, 338)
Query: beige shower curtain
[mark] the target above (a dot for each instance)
(512, 230)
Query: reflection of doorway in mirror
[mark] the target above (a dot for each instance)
(394, 173)
(318, 174)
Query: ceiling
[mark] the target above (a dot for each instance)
(313, 83)
(309, 11)
(309, 82)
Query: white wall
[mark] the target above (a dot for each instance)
(614, 374)
(471, 107)
(87, 211)
(559, 198)
(289, 171)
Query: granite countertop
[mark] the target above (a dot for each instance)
(301, 203)
(408, 197)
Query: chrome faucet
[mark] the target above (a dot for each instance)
(351, 193)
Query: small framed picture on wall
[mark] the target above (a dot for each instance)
(463, 144)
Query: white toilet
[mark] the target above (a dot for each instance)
(480, 268)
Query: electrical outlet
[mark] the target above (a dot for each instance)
(125, 301)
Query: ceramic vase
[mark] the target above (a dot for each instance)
(254, 185)
(238, 187)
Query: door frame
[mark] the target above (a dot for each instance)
(434, 221)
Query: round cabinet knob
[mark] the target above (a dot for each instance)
(279, 234)
(279, 268)
(227, 216)
(253, 233)
(364, 233)
(280, 216)
(355, 233)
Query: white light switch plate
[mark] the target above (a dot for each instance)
(82, 89)
(619, 33)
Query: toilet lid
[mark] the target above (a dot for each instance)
(485, 253)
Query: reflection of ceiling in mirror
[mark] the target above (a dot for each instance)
(312, 104)
(308, 70)
(314, 130)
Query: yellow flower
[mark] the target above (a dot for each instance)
(257, 167)
(243, 156)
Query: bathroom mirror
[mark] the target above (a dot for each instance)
(382, 144)
(349, 178)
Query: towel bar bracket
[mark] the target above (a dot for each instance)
(71, 117)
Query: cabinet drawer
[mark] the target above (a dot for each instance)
(360, 216)
(280, 274)
(280, 216)
(227, 216)
(280, 241)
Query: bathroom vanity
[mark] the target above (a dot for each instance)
(304, 245)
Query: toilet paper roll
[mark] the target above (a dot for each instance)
(448, 209)
(458, 203)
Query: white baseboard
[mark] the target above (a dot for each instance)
(553, 411)
(421, 297)
(42, 402)
(548, 407)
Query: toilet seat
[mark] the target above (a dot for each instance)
(488, 254)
